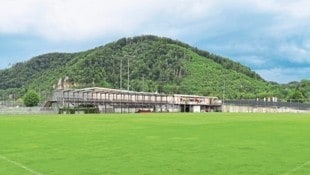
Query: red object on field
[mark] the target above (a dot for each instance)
(144, 111)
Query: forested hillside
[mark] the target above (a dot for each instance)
(154, 64)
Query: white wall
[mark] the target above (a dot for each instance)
(233, 108)
(196, 108)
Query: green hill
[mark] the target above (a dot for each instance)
(154, 64)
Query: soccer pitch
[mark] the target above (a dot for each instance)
(166, 143)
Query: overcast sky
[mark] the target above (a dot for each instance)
(272, 37)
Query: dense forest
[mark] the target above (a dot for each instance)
(145, 63)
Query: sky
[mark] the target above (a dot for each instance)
(272, 37)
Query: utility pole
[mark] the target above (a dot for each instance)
(120, 74)
(14, 100)
(224, 88)
(127, 73)
(143, 83)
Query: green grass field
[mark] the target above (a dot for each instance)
(206, 143)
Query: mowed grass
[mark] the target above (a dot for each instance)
(168, 143)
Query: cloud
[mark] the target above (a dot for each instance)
(261, 34)
(285, 75)
(296, 52)
(284, 8)
(77, 19)
(15, 16)
(72, 19)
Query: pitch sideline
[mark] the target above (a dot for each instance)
(297, 168)
(20, 165)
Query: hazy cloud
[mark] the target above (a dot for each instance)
(285, 75)
(72, 19)
(260, 34)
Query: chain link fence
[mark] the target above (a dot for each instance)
(27, 110)
(265, 106)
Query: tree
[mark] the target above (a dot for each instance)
(297, 96)
(31, 99)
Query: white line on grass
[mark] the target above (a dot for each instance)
(297, 168)
(20, 165)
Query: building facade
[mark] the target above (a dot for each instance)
(122, 101)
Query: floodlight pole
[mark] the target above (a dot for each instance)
(120, 74)
(224, 88)
(143, 83)
(127, 73)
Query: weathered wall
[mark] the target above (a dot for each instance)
(27, 110)
(234, 108)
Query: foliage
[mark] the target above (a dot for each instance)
(297, 96)
(154, 64)
(31, 99)
(85, 110)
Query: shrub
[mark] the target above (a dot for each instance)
(31, 99)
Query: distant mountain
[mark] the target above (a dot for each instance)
(154, 64)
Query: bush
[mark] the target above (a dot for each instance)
(31, 99)
(86, 110)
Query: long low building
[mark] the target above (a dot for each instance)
(122, 101)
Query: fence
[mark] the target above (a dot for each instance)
(264, 106)
(27, 110)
